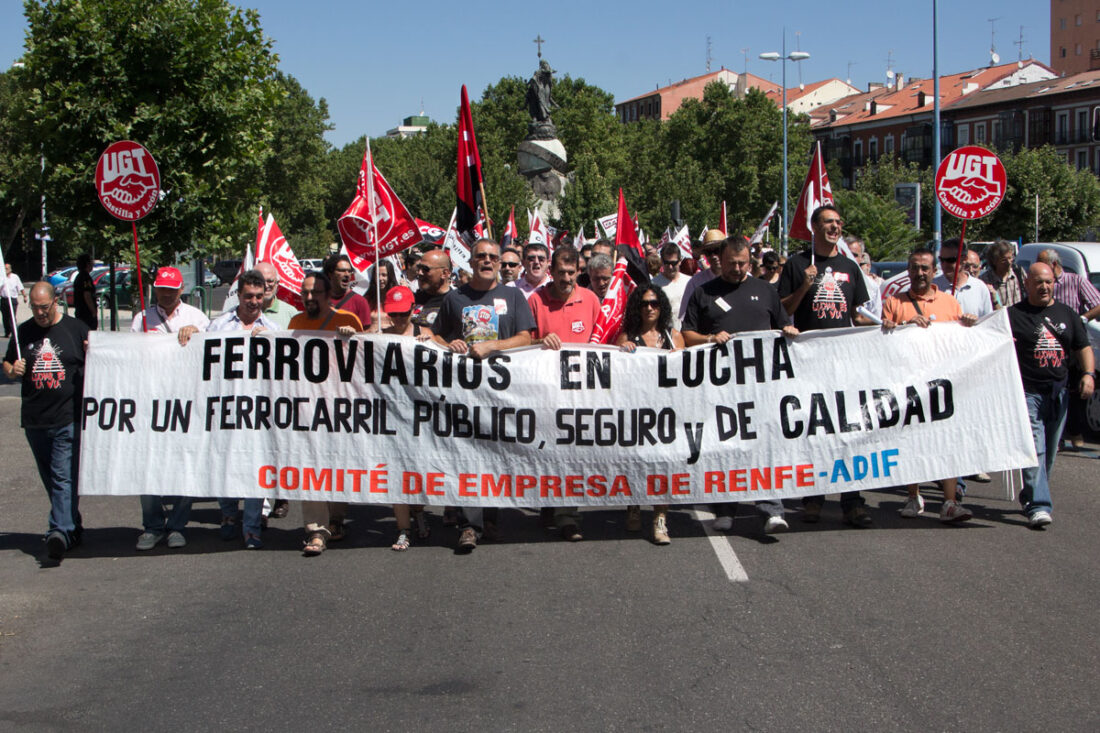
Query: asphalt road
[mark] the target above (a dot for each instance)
(908, 626)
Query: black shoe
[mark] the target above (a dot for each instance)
(56, 545)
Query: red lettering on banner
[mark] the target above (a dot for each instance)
(620, 486)
(411, 483)
(760, 478)
(378, 480)
(681, 484)
(357, 475)
(804, 475)
(496, 486)
(314, 480)
(597, 485)
(782, 473)
(284, 481)
(737, 480)
(574, 486)
(714, 482)
(524, 483)
(656, 484)
(549, 485)
(269, 481)
(435, 480)
(466, 484)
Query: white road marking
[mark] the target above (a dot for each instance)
(727, 558)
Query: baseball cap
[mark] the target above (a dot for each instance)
(168, 277)
(398, 300)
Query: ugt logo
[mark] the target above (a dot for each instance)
(971, 182)
(127, 180)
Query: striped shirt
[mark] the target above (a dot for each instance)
(1076, 292)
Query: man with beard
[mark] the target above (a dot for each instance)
(341, 274)
(479, 319)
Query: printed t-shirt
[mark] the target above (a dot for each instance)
(1043, 336)
(53, 383)
(483, 315)
(831, 301)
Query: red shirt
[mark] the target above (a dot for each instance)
(572, 320)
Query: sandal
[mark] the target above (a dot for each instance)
(315, 545)
(423, 531)
(336, 531)
(402, 542)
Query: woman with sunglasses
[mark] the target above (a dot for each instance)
(770, 267)
(647, 321)
(398, 306)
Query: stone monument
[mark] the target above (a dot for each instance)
(542, 158)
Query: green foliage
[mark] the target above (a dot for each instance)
(192, 80)
(879, 222)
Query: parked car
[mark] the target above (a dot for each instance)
(100, 278)
(887, 270)
(312, 264)
(1081, 258)
(61, 275)
(123, 292)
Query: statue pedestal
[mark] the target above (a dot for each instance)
(544, 164)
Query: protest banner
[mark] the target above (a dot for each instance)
(381, 419)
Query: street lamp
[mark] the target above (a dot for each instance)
(784, 58)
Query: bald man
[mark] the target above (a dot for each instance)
(1048, 334)
(274, 309)
(49, 362)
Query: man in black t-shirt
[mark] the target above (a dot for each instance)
(732, 303)
(821, 288)
(1046, 332)
(433, 277)
(49, 361)
(479, 319)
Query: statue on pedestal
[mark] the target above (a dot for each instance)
(542, 158)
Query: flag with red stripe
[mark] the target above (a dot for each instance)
(468, 178)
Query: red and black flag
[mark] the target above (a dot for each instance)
(468, 185)
(509, 230)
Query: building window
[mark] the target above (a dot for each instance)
(888, 145)
(1061, 24)
(995, 131)
(979, 132)
(1082, 131)
(1077, 50)
(1062, 52)
(872, 149)
(857, 152)
(1061, 128)
(1082, 159)
(963, 133)
(1077, 20)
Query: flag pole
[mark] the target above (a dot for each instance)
(141, 287)
(15, 329)
(485, 207)
(374, 232)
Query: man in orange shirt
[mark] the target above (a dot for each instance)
(922, 304)
(324, 520)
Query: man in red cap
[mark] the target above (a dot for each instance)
(167, 315)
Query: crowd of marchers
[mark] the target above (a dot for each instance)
(516, 297)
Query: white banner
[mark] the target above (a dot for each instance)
(382, 419)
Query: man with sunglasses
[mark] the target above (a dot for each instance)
(972, 293)
(341, 275)
(274, 309)
(478, 319)
(535, 264)
(671, 281)
(433, 278)
(510, 264)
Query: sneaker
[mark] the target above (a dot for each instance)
(811, 513)
(660, 530)
(776, 524)
(546, 517)
(914, 505)
(467, 541)
(722, 524)
(858, 516)
(149, 540)
(176, 540)
(229, 529)
(634, 519)
(571, 533)
(982, 477)
(251, 542)
(1039, 518)
(56, 545)
(953, 511)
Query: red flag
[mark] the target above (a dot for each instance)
(722, 220)
(536, 229)
(509, 230)
(429, 231)
(395, 228)
(625, 233)
(271, 246)
(468, 179)
(815, 192)
(613, 307)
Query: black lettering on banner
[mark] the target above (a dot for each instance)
(886, 405)
(743, 362)
(734, 420)
(469, 372)
(791, 430)
(424, 372)
(393, 365)
(914, 409)
(210, 357)
(500, 378)
(345, 362)
(569, 366)
(315, 360)
(110, 413)
(259, 349)
(941, 400)
(234, 355)
(286, 359)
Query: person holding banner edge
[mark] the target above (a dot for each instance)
(820, 288)
(479, 319)
(733, 302)
(167, 315)
(323, 520)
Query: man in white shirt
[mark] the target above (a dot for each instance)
(671, 280)
(536, 266)
(972, 293)
(167, 315)
(10, 290)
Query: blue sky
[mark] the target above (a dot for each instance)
(377, 63)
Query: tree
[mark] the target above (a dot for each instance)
(192, 80)
(879, 222)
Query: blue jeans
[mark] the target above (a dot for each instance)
(156, 517)
(1047, 414)
(57, 453)
(253, 513)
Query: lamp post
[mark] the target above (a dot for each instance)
(783, 58)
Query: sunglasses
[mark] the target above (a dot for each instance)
(535, 258)
(487, 256)
(651, 304)
(509, 264)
